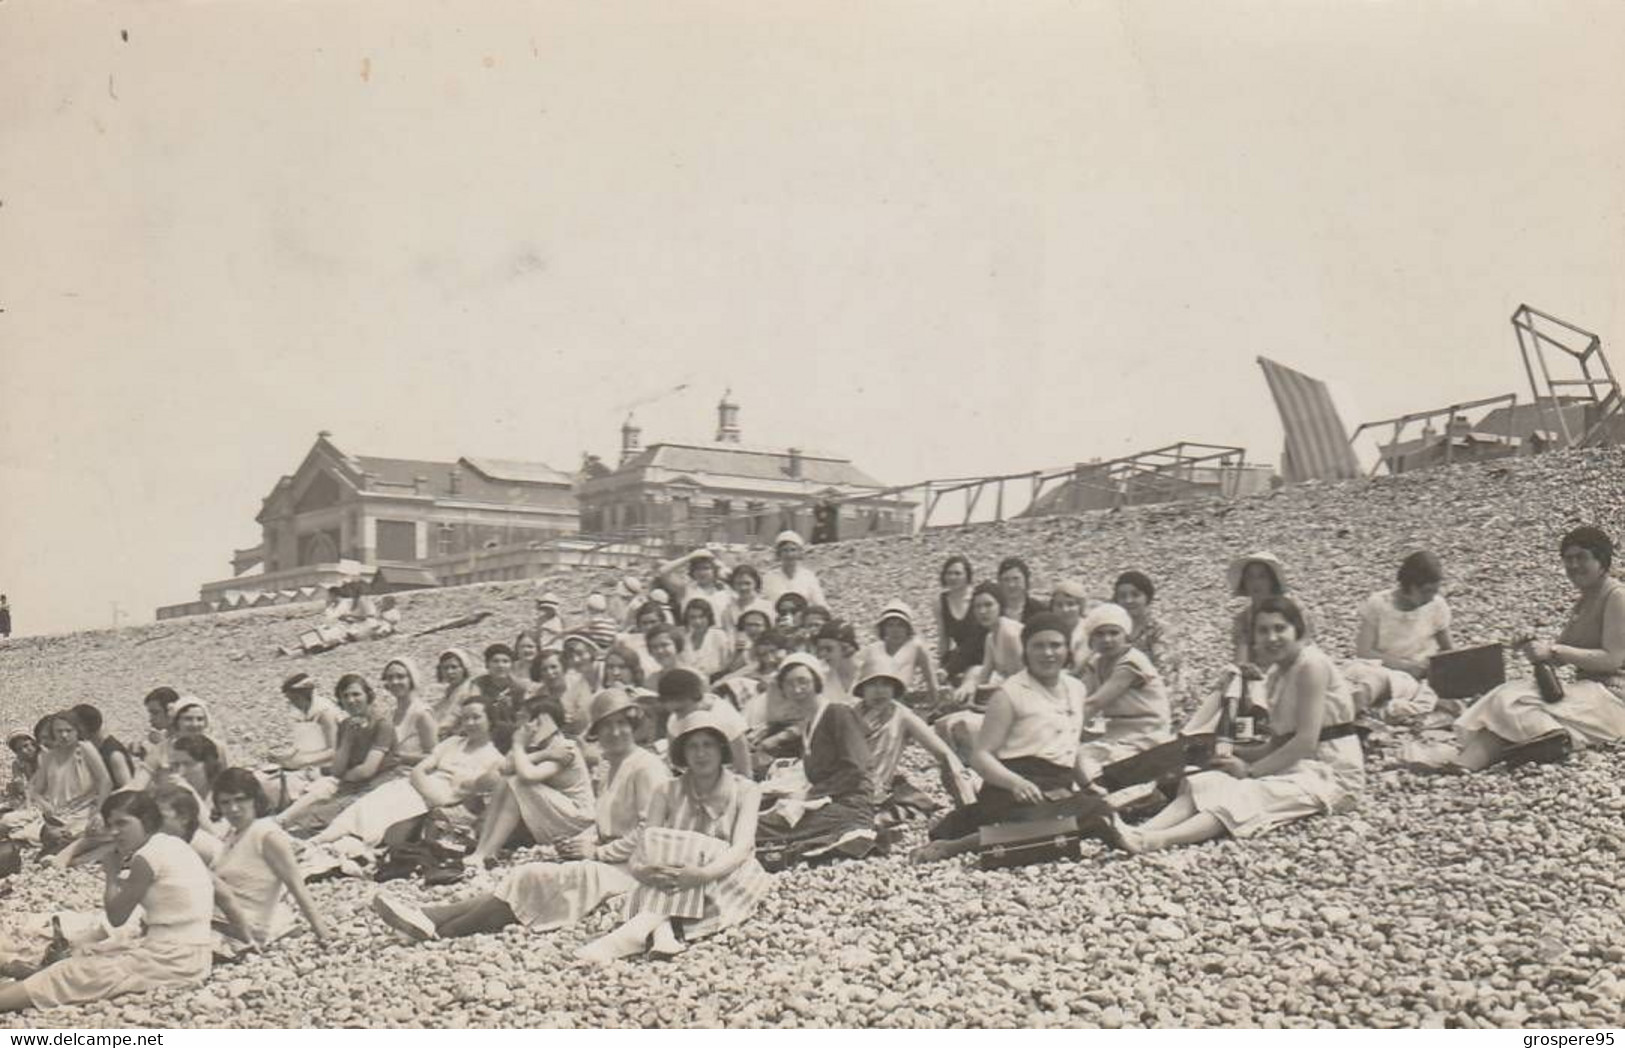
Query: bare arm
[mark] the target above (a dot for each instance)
(120, 770)
(121, 897)
(995, 729)
(368, 767)
(1309, 700)
(232, 907)
(922, 736)
(101, 783)
(527, 770)
(1365, 639)
(739, 751)
(427, 731)
(926, 667)
(1610, 658)
(1122, 679)
(279, 857)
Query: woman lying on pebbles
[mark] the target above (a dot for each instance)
(544, 896)
(1297, 774)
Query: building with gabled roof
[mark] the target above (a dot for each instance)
(339, 515)
(689, 492)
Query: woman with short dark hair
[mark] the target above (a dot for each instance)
(170, 884)
(256, 869)
(1513, 721)
(1134, 592)
(960, 637)
(1026, 750)
(120, 768)
(1400, 630)
(363, 760)
(1297, 774)
(1015, 584)
(709, 651)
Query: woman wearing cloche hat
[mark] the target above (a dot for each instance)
(548, 895)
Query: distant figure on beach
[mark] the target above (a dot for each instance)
(5, 617)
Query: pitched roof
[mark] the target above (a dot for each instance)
(513, 469)
(738, 460)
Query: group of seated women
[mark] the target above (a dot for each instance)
(694, 734)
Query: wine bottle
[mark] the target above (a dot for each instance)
(60, 947)
(1224, 733)
(1551, 688)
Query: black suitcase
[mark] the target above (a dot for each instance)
(1007, 844)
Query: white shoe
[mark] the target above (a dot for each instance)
(404, 918)
(664, 944)
(628, 940)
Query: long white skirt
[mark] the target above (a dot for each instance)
(369, 817)
(1248, 807)
(549, 895)
(115, 966)
(1516, 712)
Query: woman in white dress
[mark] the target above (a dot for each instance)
(168, 881)
(1401, 629)
(1296, 776)
(416, 730)
(544, 896)
(1127, 711)
(71, 781)
(545, 784)
(315, 735)
(709, 649)
(255, 870)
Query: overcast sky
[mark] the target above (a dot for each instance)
(944, 237)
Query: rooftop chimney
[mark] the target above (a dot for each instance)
(795, 462)
(456, 480)
(420, 485)
(631, 440)
(727, 419)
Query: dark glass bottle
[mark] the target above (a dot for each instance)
(1546, 679)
